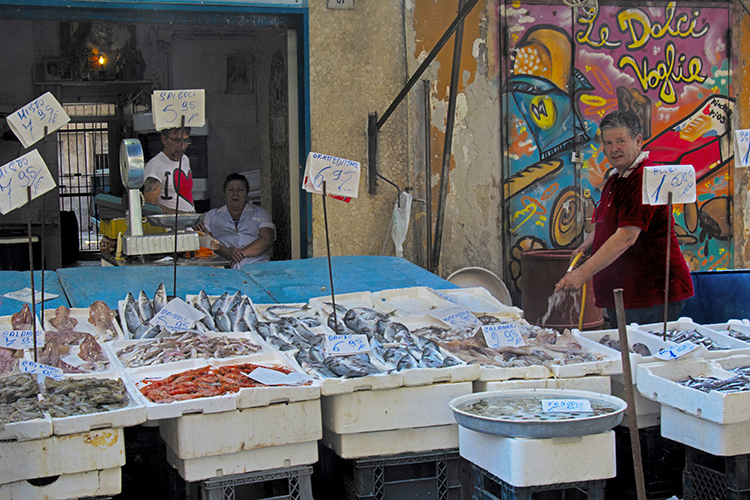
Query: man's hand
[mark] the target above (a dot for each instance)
(571, 282)
(234, 254)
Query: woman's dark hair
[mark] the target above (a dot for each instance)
(236, 177)
(623, 119)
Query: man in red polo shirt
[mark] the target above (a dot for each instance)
(628, 246)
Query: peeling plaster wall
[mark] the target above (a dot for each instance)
(357, 67)
(741, 90)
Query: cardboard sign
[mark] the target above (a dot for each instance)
(267, 376)
(742, 148)
(503, 334)
(177, 315)
(341, 176)
(454, 316)
(24, 295)
(676, 351)
(16, 176)
(659, 181)
(27, 366)
(566, 406)
(340, 345)
(20, 339)
(28, 122)
(171, 105)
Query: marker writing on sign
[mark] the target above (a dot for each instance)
(23, 173)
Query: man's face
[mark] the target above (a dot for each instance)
(620, 148)
(175, 143)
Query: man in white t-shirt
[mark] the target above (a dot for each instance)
(165, 170)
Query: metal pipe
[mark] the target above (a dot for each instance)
(428, 169)
(372, 153)
(447, 149)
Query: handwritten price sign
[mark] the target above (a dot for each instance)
(566, 406)
(455, 316)
(171, 105)
(20, 339)
(28, 122)
(502, 335)
(16, 176)
(742, 148)
(341, 176)
(177, 316)
(658, 182)
(339, 345)
(40, 369)
(676, 351)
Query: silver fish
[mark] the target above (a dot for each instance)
(207, 320)
(132, 319)
(263, 329)
(394, 329)
(233, 313)
(430, 360)
(233, 300)
(160, 298)
(406, 363)
(152, 332)
(338, 367)
(222, 321)
(220, 302)
(279, 343)
(203, 300)
(241, 325)
(354, 322)
(377, 349)
(145, 307)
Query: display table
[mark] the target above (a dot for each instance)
(11, 281)
(293, 281)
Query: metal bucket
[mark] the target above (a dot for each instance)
(540, 272)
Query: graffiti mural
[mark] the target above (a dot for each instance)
(669, 64)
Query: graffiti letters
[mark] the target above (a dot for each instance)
(641, 29)
(584, 36)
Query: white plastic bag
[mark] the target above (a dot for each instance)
(400, 222)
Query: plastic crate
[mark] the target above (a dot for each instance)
(487, 486)
(291, 483)
(663, 461)
(143, 475)
(433, 475)
(709, 476)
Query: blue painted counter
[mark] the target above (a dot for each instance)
(84, 285)
(10, 281)
(300, 280)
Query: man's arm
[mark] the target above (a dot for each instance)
(261, 245)
(151, 190)
(609, 252)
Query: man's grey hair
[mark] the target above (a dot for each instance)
(623, 119)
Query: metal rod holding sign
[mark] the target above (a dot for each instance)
(635, 440)
(666, 279)
(177, 210)
(330, 272)
(41, 242)
(31, 271)
(428, 169)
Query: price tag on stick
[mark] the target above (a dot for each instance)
(177, 315)
(28, 122)
(171, 105)
(340, 345)
(27, 366)
(742, 148)
(341, 176)
(20, 339)
(659, 181)
(457, 316)
(676, 351)
(26, 171)
(502, 335)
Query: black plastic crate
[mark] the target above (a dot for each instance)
(425, 476)
(290, 483)
(663, 461)
(143, 472)
(487, 486)
(707, 476)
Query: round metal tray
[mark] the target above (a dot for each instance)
(538, 429)
(167, 220)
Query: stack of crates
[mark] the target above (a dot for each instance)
(143, 475)
(662, 459)
(290, 483)
(487, 486)
(707, 476)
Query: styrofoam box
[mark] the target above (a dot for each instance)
(26, 430)
(393, 442)
(406, 302)
(399, 408)
(593, 383)
(657, 381)
(479, 301)
(735, 346)
(655, 344)
(733, 324)
(491, 373)
(716, 439)
(536, 462)
(322, 305)
(194, 436)
(277, 457)
(94, 483)
(647, 412)
(133, 414)
(82, 314)
(56, 455)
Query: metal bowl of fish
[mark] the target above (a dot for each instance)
(520, 413)
(167, 220)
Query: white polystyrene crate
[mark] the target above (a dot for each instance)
(538, 462)
(593, 383)
(711, 437)
(133, 414)
(647, 412)
(216, 466)
(377, 382)
(26, 430)
(611, 362)
(94, 483)
(55, 455)
(654, 344)
(425, 376)
(407, 302)
(323, 305)
(740, 326)
(194, 436)
(399, 408)
(160, 411)
(489, 373)
(393, 442)
(82, 314)
(658, 381)
(735, 346)
(479, 301)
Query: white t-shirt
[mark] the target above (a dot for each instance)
(220, 224)
(161, 168)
